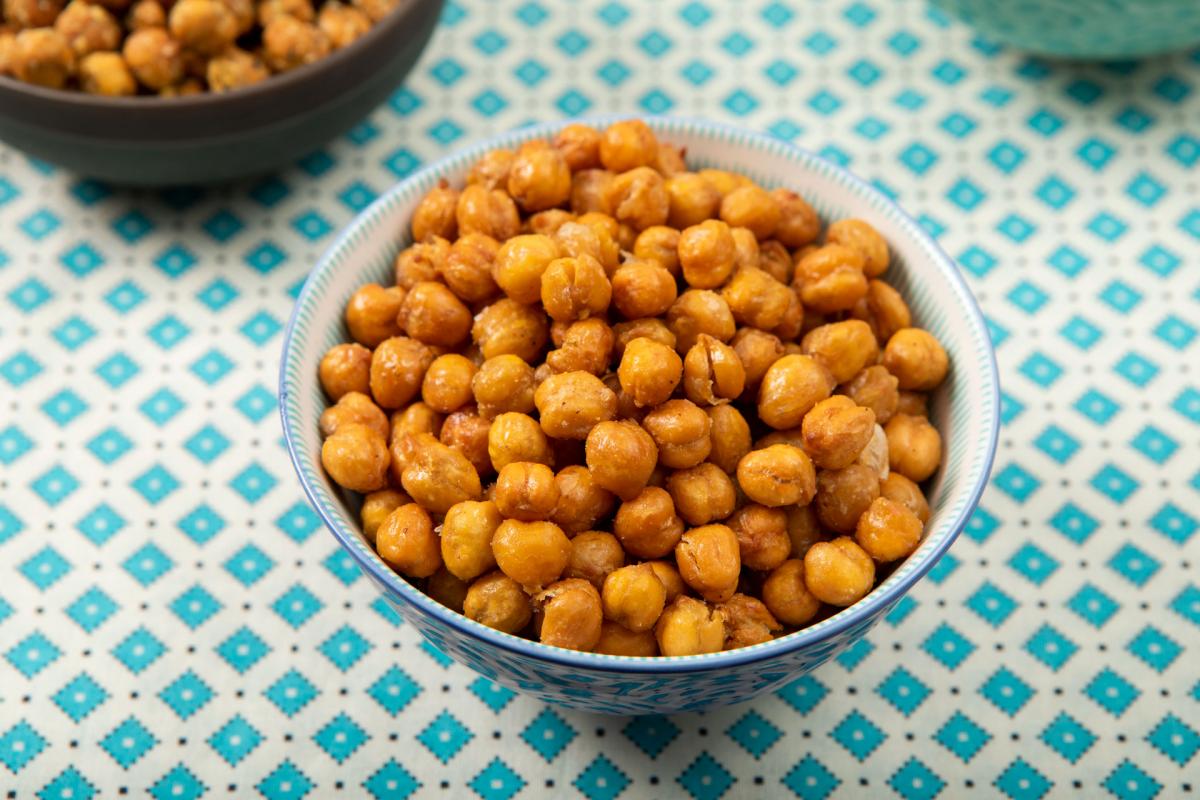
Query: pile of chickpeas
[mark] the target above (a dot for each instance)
(623, 407)
(173, 47)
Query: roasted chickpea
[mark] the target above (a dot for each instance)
(397, 369)
(154, 57)
(204, 26)
(775, 260)
(42, 56)
(649, 371)
(762, 535)
(31, 13)
(875, 454)
(712, 372)
(633, 597)
(468, 267)
(568, 614)
(447, 589)
(354, 408)
(435, 214)
(234, 68)
(356, 457)
(915, 404)
(723, 180)
(517, 437)
(746, 254)
(467, 432)
(730, 434)
(692, 200)
(790, 388)
(844, 494)
(621, 457)
(747, 622)
(289, 43)
(345, 368)
(570, 404)
(371, 313)
(491, 170)
(497, 601)
(642, 289)
(587, 236)
(422, 261)
(670, 578)
(888, 530)
(756, 299)
(377, 506)
(709, 561)
(145, 14)
(792, 436)
(839, 572)
(859, 235)
(844, 348)
(507, 326)
(699, 311)
(702, 494)
(670, 160)
(637, 198)
(793, 320)
(590, 191)
(914, 446)
(752, 207)
(416, 418)
(681, 430)
(539, 177)
(446, 386)
(803, 528)
(650, 328)
(900, 489)
(836, 431)
(343, 24)
(786, 594)
(757, 350)
(504, 383)
(466, 538)
(587, 346)
(659, 245)
(628, 144)
(89, 28)
(916, 358)
(547, 223)
(407, 542)
(488, 211)
(874, 388)
(520, 263)
(883, 309)
(831, 278)
(688, 627)
(575, 288)
(616, 640)
(779, 475)
(647, 524)
(437, 476)
(581, 502)
(594, 554)
(798, 221)
(706, 254)
(579, 145)
(533, 554)
(526, 491)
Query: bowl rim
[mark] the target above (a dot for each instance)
(863, 610)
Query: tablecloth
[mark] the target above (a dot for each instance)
(174, 622)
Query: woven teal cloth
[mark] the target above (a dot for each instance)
(174, 622)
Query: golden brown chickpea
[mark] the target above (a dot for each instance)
(377, 506)
(497, 601)
(539, 177)
(570, 404)
(628, 144)
(915, 404)
(757, 350)
(830, 278)
(422, 261)
(586, 346)
(762, 535)
(637, 198)
(647, 524)
(517, 437)
(508, 327)
(692, 200)
(581, 502)
(706, 254)
(798, 223)
(447, 589)
(916, 358)
(845, 348)
(649, 371)
(579, 145)
(407, 542)
(345, 368)
(270, 9)
(883, 309)
(775, 260)
(621, 457)
(839, 572)
(803, 528)
(844, 494)
(575, 288)
(354, 408)
(875, 454)
(244, 12)
(642, 289)
(504, 383)
(747, 622)
(787, 596)
(435, 214)
(914, 446)
(203, 26)
(568, 614)
(467, 269)
(681, 430)
(356, 457)
(42, 56)
(752, 207)
(89, 28)
(488, 211)
(709, 562)
(586, 236)
(650, 328)
(371, 313)
(289, 43)
(31, 13)
(730, 436)
(343, 24)
(793, 320)
(145, 14)
(633, 597)
(790, 388)
(446, 386)
(416, 418)
(702, 494)
(670, 160)
(234, 68)
(670, 578)
(616, 640)
(888, 530)
(756, 299)
(520, 263)
(467, 432)
(859, 235)
(590, 190)
(688, 627)
(397, 368)
(712, 372)
(533, 554)
(438, 476)
(699, 311)
(900, 489)
(547, 223)
(836, 431)
(660, 245)
(491, 170)
(432, 314)
(792, 436)
(466, 538)
(875, 388)
(594, 554)
(779, 475)
(746, 254)
(526, 491)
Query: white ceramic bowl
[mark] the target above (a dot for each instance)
(965, 409)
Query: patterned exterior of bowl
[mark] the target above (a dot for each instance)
(966, 409)
(1084, 28)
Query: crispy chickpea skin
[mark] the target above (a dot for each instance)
(517, 437)
(914, 446)
(594, 554)
(416, 418)
(628, 144)
(688, 627)
(642, 289)
(902, 490)
(579, 145)
(466, 538)
(692, 200)
(712, 372)
(647, 524)
(803, 529)
(844, 348)
(435, 214)
(746, 253)
(377, 506)
(520, 263)
(747, 622)
(875, 388)
(526, 491)
(757, 350)
(798, 221)
(702, 494)
(616, 640)
(730, 435)
(586, 346)
(570, 404)
(786, 594)
(447, 590)
(638, 198)
(762, 535)
(270, 9)
(397, 368)
(706, 254)
(581, 502)
(503, 383)
(709, 561)
(916, 358)
(432, 314)
(839, 572)
(681, 430)
(621, 457)
(883, 309)
(590, 191)
(343, 24)
(757, 299)
(836, 430)
(354, 408)
(43, 56)
(88, 28)
(438, 476)
(888, 530)
(790, 388)
(407, 542)
(698, 311)
(497, 601)
(575, 288)
(447, 383)
(633, 597)
(491, 170)
(371, 313)
(31, 13)
(659, 245)
(422, 261)
(649, 372)
(533, 554)
(356, 457)
(507, 326)
(779, 475)
(586, 237)
(859, 235)
(752, 207)
(775, 260)
(649, 328)
(467, 432)
(539, 177)
(830, 278)
(145, 14)
(568, 614)
(468, 267)
(203, 26)
(915, 404)
(844, 494)
(234, 68)
(488, 211)
(289, 43)
(106, 74)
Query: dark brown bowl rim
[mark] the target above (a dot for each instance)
(157, 104)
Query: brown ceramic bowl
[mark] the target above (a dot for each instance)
(207, 138)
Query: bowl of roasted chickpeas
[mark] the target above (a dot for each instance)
(639, 416)
(167, 92)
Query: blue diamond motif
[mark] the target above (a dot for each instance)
(601, 780)
(54, 485)
(903, 690)
(1006, 157)
(19, 745)
(1175, 332)
(915, 781)
(445, 736)
(695, 14)
(117, 370)
(1174, 523)
(1135, 565)
(344, 648)
(705, 778)
(91, 609)
(256, 403)
(858, 735)
(248, 565)
(1033, 563)
(394, 690)
(168, 332)
(186, 695)
(962, 737)
(270, 192)
(125, 296)
(291, 692)
(1055, 193)
(1020, 781)
(155, 484)
(391, 782)
(1128, 782)
(223, 226)
(1136, 369)
(548, 734)
(1157, 650)
(447, 71)
(74, 333)
(13, 444)
(809, 779)
(1111, 692)
(64, 407)
(1057, 444)
(206, 444)
(128, 742)
(1081, 333)
(1096, 406)
(201, 524)
(340, 737)
(652, 735)
(1068, 261)
(490, 42)
(1114, 483)
(80, 697)
(100, 525)
(175, 260)
(253, 482)
(1096, 153)
(1006, 691)
(81, 260)
(918, 158)
(296, 606)
(138, 650)
(69, 785)
(161, 406)
(40, 224)
(740, 102)
(285, 782)
(1016, 228)
(1067, 737)
(948, 647)
(1154, 444)
(530, 72)
(991, 604)
(260, 328)
(1050, 647)
(195, 606)
(1175, 739)
(211, 367)
(242, 649)
(1016, 482)
(177, 784)
(1093, 606)
(497, 781)
(754, 734)
(265, 257)
(45, 568)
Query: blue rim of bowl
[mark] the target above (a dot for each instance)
(806, 637)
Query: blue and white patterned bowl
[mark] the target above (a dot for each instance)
(965, 409)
